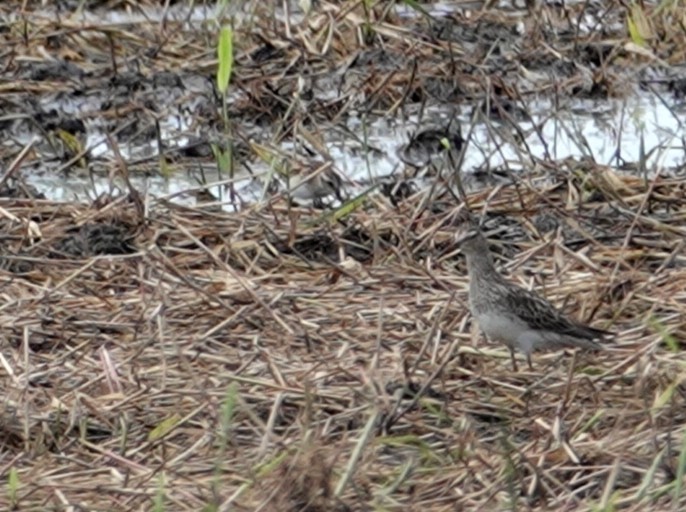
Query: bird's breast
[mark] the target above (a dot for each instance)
(501, 327)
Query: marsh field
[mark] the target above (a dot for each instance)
(187, 325)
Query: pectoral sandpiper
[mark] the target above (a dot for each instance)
(515, 316)
(425, 146)
(315, 184)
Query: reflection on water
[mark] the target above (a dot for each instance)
(610, 132)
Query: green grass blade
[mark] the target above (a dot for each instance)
(668, 339)
(229, 407)
(13, 486)
(225, 55)
(353, 204)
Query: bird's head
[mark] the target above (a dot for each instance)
(468, 237)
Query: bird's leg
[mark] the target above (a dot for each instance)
(514, 361)
(528, 360)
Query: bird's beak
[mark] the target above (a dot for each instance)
(460, 237)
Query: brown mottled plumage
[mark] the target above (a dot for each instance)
(313, 185)
(513, 315)
(425, 145)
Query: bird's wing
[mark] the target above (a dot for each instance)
(540, 314)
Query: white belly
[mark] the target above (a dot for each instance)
(512, 332)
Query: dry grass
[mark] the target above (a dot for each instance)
(159, 357)
(236, 361)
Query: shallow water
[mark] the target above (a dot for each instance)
(365, 150)
(603, 130)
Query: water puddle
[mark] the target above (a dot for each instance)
(172, 109)
(609, 132)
